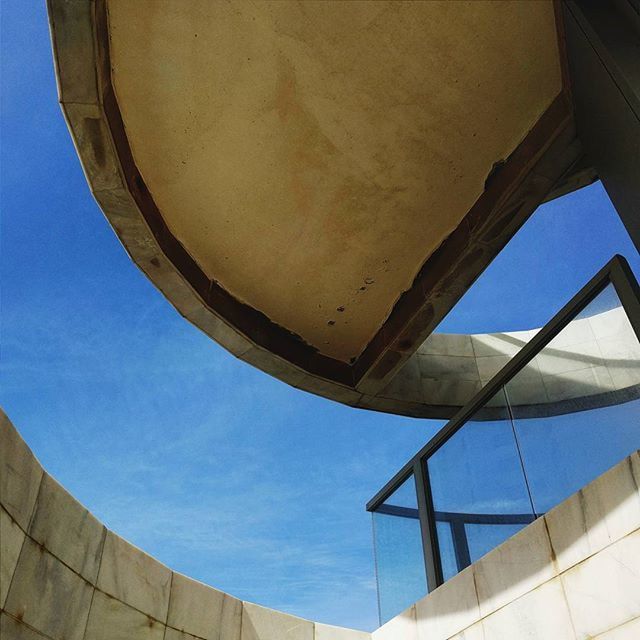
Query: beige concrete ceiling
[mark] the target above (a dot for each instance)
(309, 156)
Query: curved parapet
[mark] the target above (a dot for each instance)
(573, 573)
(65, 576)
(594, 361)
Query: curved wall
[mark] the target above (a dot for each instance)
(594, 361)
(64, 576)
(572, 574)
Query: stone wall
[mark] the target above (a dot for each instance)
(575, 573)
(593, 362)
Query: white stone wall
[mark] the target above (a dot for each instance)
(590, 357)
(572, 574)
(575, 573)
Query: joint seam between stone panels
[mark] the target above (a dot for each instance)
(632, 472)
(15, 569)
(618, 626)
(86, 624)
(624, 537)
(522, 595)
(241, 618)
(35, 503)
(166, 621)
(554, 559)
(475, 359)
(128, 604)
(25, 624)
(94, 586)
(103, 542)
(559, 575)
(554, 556)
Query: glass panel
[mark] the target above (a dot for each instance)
(476, 479)
(481, 538)
(447, 550)
(575, 408)
(398, 552)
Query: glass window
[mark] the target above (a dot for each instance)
(479, 490)
(398, 551)
(580, 415)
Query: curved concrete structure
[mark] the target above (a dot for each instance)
(314, 192)
(572, 574)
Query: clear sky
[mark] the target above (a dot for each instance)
(216, 469)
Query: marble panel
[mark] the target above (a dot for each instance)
(604, 591)
(525, 392)
(448, 367)
(625, 349)
(174, 634)
(11, 539)
(627, 631)
(67, 529)
(260, 623)
(578, 331)
(447, 344)
(541, 614)
(610, 324)
(449, 609)
(449, 392)
(499, 344)
(517, 566)
(604, 511)
(111, 619)
(203, 611)
(21, 474)
(404, 626)
(47, 595)
(405, 385)
(553, 360)
(12, 629)
(132, 576)
(578, 383)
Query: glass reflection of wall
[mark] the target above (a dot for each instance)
(589, 377)
(480, 495)
(568, 416)
(398, 551)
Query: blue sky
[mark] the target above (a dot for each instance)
(218, 470)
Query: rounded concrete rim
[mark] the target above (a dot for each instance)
(88, 103)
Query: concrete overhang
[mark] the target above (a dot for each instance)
(312, 185)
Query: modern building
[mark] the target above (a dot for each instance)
(315, 186)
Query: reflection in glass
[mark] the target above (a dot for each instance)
(479, 489)
(398, 551)
(579, 415)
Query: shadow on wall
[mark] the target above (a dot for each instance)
(573, 573)
(585, 365)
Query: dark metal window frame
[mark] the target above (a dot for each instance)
(616, 272)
